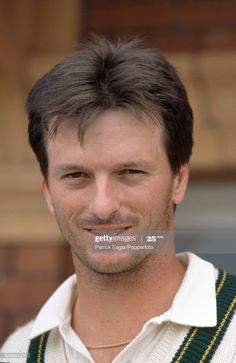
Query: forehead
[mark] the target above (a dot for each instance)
(112, 121)
(117, 133)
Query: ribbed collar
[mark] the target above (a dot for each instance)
(194, 303)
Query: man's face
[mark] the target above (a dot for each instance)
(119, 179)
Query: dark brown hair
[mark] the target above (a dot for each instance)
(105, 75)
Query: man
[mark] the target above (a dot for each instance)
(111, 127)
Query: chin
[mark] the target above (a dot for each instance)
(112, 263)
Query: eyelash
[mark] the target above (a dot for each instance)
(131, 171)
(73, 175)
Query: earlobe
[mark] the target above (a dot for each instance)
(180, 184)
(47, 195)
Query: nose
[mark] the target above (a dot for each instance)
(105, 200)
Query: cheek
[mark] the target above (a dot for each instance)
(156, 191)
(141, 201)
(67, 203)
(156, 197)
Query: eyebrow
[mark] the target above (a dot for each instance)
(135, 164)
(66, 168)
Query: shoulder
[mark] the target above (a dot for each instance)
(18, 341)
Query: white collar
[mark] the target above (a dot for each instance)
(194, 303)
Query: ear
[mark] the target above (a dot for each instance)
(180, 184)
(47, 195)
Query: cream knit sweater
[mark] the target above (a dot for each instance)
(163, 353)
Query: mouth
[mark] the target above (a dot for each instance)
(111, 230)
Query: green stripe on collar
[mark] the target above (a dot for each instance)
(37, 348)
(200, 344)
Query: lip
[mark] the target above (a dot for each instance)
(93, 229)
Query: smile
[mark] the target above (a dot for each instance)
(112, 230)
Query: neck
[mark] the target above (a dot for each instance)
(133, 297)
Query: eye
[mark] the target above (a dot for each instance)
(131, 172)
(134, 171)
(75, 175)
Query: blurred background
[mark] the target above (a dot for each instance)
(199, 38)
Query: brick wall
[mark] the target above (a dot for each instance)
(169, 25)
(28, 276)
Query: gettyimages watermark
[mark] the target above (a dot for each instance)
(201, 241)
(149, 241)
